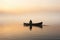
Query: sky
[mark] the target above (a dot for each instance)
(26, 6)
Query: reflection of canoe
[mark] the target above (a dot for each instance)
(33, 24)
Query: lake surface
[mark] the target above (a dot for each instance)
(17, 31)
(12, 28)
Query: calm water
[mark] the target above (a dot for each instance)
(12, 28)
(16, 31)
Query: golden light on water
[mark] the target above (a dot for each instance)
(14, 13)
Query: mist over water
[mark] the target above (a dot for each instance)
(47, 18)
(12, 28)
(14, 13)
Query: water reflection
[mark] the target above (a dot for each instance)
(19, 32)
(30, 24)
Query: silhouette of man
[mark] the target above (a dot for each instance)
(30, 24)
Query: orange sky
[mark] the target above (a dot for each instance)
(23, 6)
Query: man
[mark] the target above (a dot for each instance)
(30, 24)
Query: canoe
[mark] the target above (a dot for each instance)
(33, 24)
